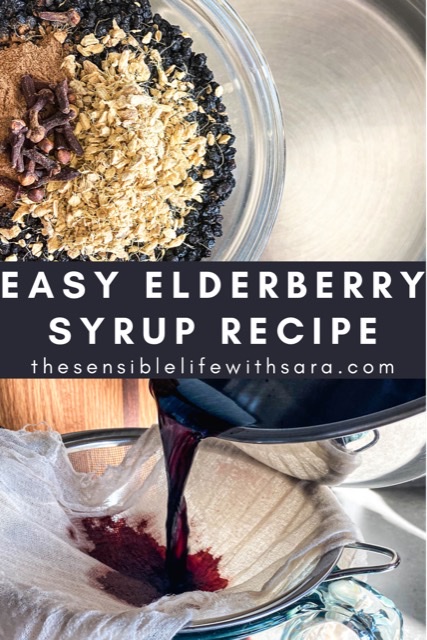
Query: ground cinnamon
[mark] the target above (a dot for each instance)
(40, 58)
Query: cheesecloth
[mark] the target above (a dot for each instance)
(268, 527)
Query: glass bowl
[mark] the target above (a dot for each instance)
(346, 609)
(349, 608)
(255, 116)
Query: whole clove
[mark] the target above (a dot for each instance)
(46, 145)
(16, 141)
(71, 17)
(60, 142)
(62, 153)
(63, 156)
(71, 139)
(28, 90)
(66, 174)
(37, 131)
(61, 93)
(57, 120)
(44, 161)
(42, 84)
(36, 195)
(44, 96)
(18, 126)
(17, 159)
(29, 177)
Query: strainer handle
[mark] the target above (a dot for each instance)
(338, 574)
(375, 436)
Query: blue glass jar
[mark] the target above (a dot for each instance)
(345, 610)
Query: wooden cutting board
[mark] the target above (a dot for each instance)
(76, 405)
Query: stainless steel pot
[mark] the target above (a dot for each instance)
(278, 411)
(94, 450)
(282, 411)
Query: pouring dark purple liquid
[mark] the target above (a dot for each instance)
(184, 421)
(144, 570)
(179, 445)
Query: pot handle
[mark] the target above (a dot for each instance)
(338, 574)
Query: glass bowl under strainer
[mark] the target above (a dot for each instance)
(255, 116)
(345, 609)
(94, 451)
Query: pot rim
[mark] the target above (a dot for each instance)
(257, 435)
(328, 431)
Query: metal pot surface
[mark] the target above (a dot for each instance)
(351, 79)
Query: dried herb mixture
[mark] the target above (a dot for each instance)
(157, 156)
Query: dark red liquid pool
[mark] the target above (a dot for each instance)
(139, 562)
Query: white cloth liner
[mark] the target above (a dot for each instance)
(269, 528)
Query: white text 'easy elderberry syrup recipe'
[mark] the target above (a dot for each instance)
(116, 144)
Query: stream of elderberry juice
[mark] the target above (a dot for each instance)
(183, 424)
(141, 569)
(179, 445)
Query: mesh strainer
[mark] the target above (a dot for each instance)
(93, 451)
